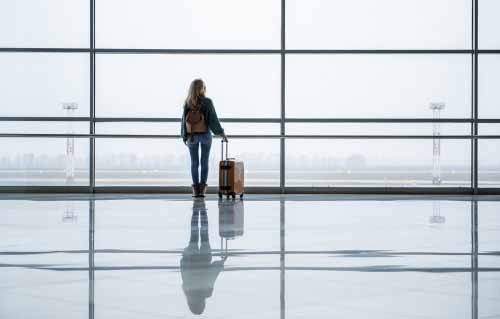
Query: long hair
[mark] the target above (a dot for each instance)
(195, 93)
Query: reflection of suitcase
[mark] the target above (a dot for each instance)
(231, 219)
(231, 175)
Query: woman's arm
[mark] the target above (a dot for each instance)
(183, 126)
(213, 120)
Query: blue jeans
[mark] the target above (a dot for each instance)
(194, 142)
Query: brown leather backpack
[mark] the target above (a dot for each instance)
(195, 121)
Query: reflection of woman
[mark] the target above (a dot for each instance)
(197, 269)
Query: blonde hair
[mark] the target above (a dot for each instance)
(196, 90)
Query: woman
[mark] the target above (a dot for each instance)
(198, 119)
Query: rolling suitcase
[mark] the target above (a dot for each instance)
(231, 175)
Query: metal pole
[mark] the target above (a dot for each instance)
(475, 97)
(92, 98)
(283, 96)
(472, 101)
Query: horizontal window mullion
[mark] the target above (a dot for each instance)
(287, 51)
(178, 119)
(488, 120)
(42, 119)
(46, 50)
(488, 51)
(378, 120)
(380, 51)
(245, 120)
(186, 51)
(245, 51)
(151, 136)
(410, 137)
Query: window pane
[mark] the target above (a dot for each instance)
(44, 161)
(44, 127)
(251, 128)
(489, 129)
(376, 163)
(142, 162)
(371, 86)
(260, 156)
(188, 24)
(489, 24)
(165, 162)
(37, 84)
(489, 77)
(48, 23)
(377, 128)
(383, 24)
(172, 128)
(489, 163)
(156, 85)
(138, 128)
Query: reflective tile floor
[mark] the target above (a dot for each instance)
(160, 256)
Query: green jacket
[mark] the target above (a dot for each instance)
(210, 116)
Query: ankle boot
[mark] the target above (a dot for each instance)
(196, 190)
(203, 189)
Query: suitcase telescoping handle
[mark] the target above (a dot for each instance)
(222, 150)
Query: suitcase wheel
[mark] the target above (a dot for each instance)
(220, 195)
(241, 196)
(233, 195)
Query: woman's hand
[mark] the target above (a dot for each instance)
(224, 137)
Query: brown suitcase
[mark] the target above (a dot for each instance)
(231, 175)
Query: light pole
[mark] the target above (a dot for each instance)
(436, 142)
(70, 143)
